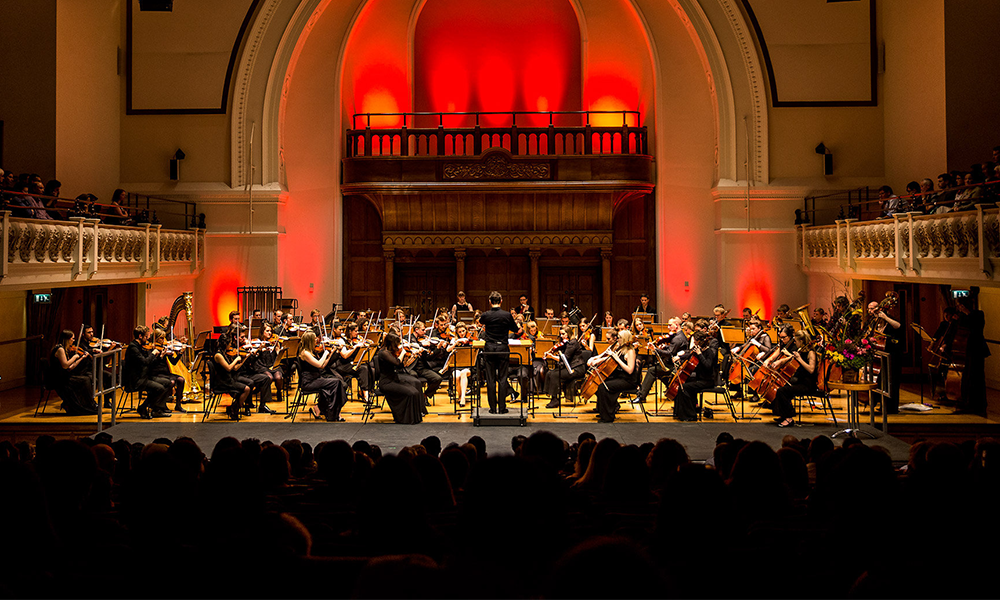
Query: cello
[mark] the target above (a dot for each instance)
(599, 373)
(684, 372)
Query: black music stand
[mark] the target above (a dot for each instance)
(543, 346)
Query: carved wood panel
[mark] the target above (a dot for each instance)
(509, 274)
(364, 266)
(633, 262)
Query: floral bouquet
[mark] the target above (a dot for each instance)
(850, 353)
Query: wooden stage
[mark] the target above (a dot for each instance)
(18, 421)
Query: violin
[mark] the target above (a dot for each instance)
(556, 348)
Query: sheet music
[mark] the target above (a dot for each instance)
(566, 362)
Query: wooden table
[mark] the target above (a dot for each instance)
(853, 412)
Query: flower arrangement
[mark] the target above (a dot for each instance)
(850, 353)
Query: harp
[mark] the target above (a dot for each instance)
(184, 302)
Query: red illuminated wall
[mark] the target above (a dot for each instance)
(482, 55)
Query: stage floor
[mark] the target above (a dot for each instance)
(17, 408)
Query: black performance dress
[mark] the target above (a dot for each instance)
(75, 390)
(401, 391)
(609, 391)
(332, 394)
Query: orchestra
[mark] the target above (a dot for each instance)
(767, 361)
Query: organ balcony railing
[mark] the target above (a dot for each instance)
(470, 133)
(947, 247)
(44, 251)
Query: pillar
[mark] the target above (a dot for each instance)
(388, 255)
(606, 276)
(535, 298)
(460, 269)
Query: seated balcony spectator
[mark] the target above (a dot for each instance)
(890, 201)
(967, 198)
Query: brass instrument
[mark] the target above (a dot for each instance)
(818, 334)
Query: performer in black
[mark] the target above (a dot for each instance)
(401, 391)
(620, 380)
(645, 306)
(332, 396)
(224, 379)
(137, 378)
(973, 397)
(261, 365)
(524, 309)
(802, 383)
(89, 343)
(497, 324)
(667, 350)
(428, 363)
(66, 380)
(349, 354)
(893, 332)
(560, 376)
(161, 370)
(686, 401)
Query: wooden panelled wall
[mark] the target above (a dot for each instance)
(425, 278)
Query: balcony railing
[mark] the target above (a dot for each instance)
(37, 251)
(426, 134)
(956, 245)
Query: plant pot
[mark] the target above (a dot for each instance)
(849, 375)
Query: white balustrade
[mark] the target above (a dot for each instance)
(950, 246)
(38, 252)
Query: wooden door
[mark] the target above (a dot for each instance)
(558, 283)
(424, 288)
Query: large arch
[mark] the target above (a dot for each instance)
(274, 95)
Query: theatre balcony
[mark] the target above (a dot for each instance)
(935, 248)
(548, 149)
(43, 252)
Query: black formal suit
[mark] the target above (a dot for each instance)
(497, 323)
(558, 377)
(136, 377)
(973, 397)
(686, 401)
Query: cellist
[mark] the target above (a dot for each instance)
(620, 380)
(785, 342)
(666, 349)
(686, 400)
(803, 382)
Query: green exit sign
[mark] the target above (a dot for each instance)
(43, 298)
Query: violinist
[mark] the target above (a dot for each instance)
(313, 360)
(686, 401)
(250, 350)
(316, 321)
(260, 366)
(286, 327)
(161, 370)
(278, 318)
(620, 380)
(461, 375)
(588, 340)
(235, 324)
(92, 345)
(421, 367)
(550, 314)
(76, 389)
(348, 357)
(893, 332)
(401, 390)
(638, 329)
(558, 378)
(224, 378)
(136, 376)
(802, 383)
(666, 349)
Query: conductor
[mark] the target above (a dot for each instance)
(496, 325)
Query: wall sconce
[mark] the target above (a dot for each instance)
(827, 158)
(175, 165)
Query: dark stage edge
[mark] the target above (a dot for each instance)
(697, 438)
